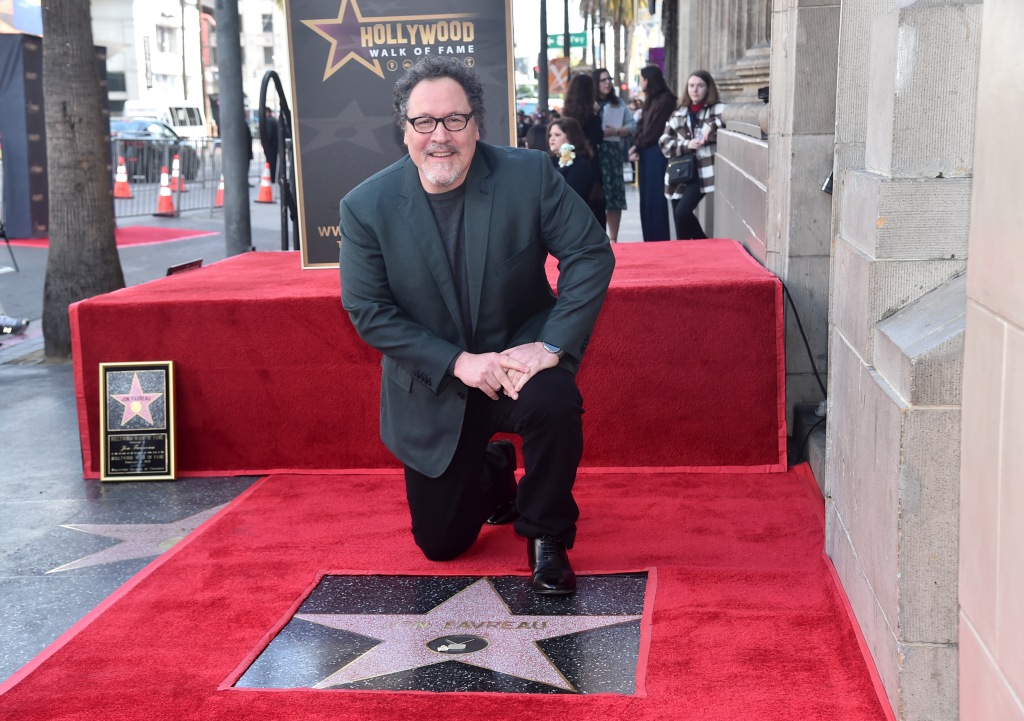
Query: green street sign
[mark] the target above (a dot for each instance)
(576, 40)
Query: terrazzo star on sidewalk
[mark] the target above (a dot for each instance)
(442, 271)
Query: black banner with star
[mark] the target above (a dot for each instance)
(346, 57)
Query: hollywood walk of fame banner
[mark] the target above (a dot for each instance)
(346, 56)
(137, 421)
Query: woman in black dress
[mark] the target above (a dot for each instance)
(574, 159)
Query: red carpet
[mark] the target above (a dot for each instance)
(685, 370)
(131, 235)
(747, 620)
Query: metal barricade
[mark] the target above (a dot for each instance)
(138, 191)
(199, 174)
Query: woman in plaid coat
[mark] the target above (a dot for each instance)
(693, 127)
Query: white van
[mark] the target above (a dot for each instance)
(186, 117)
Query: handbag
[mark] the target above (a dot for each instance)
(682, 170)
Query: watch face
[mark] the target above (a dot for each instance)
(551, 348)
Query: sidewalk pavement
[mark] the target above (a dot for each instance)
(62, 538)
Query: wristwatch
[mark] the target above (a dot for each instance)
(553, 349)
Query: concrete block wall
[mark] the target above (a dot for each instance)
(893, 498)
(897, 300)
(797, 224)
(914, 218)
(991, 629)
(919, 350)
(741, 177)
(854, 55)
(875, 288)
(921, 91)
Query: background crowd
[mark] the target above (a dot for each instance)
(598, 139)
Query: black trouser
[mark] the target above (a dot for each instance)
(272, 159)
(653, 206)
(687, 225)
(448, 511)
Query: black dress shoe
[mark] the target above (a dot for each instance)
(549, 559)
(505, 476)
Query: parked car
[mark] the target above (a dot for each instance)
(148, 144)
(529, 105)
(186, 118)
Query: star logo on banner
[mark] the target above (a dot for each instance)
(139, 540)
(345, 33)
(135, 402)
(475, 626)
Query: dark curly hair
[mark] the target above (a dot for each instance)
(434, 67)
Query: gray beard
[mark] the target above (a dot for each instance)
(444, 178)
(440, 177)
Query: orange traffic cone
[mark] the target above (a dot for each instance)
(165, 203)
(121, 187)
(218, 200)
(177, 182)
(266, 194)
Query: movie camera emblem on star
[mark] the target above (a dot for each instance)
(457, 644)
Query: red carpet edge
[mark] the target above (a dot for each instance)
(129, 236)
(814, 493)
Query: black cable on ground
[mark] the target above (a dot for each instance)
(807, 345)
(807, 437)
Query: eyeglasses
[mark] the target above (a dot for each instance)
(605, 79)
(452, 123)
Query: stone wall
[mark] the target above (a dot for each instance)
(991, 636)
(905, 109)
(801, 128)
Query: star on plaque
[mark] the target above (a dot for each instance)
(139, 540)
(135, 402)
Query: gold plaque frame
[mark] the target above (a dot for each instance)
(137, 421)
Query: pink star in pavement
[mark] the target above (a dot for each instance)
(135, 402)
(138, 540)
(503, 641)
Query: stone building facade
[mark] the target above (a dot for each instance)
(909, 282)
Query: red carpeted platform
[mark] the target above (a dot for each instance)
(746, 622)
(685, 368)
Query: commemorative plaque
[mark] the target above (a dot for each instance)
(137, 421)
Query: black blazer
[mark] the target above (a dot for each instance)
(398, 289)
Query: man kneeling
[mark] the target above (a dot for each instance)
(442, 271)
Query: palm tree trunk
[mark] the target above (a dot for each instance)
(83, 259)
(629, 43)
(617, 40)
